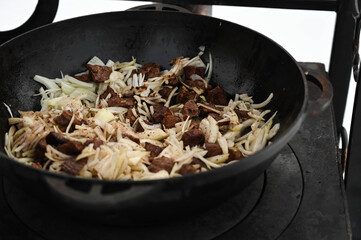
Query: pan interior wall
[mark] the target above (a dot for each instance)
(244, 61)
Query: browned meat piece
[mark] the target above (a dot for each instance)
(154, 168)
(147, 122)
(40, 150)
(213, 149)
(99, 73)
(128, 94)
(197, 83)
(165, 92)
(139, 128)
(217, 117)
(83, 77)
(197, 162)
(189, 70)
(223, 123)
(132, 137)
(55, 139)
(160, 112)
(194, 124)
(190, 109)
(129, 115)
(63, 128)
(187, 169)
(153, 149)
(108, 91)
(184, 95)
(71, 147)
(96, 141)
(242, 115)
(72, 166)
(36, 165)
(193, 137)
(234, 155)
(115, 100)
(205, 111)
(42, 144)
(161, 163)
(64, 119)
(173, 81)
(170, 120)
(121, 102)
(217, 96)
(150, 70)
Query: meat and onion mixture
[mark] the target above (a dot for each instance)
(123, 120)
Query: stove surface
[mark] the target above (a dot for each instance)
(300, 196)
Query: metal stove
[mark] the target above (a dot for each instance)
(300, 196)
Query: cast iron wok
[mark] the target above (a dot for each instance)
(244, 62)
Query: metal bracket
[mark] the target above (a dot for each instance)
(356, 55)
(44, 13)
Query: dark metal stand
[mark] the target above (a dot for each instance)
(342, 57)
(353, 171)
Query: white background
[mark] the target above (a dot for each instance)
(307, 35)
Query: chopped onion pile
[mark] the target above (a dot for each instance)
(123, 120)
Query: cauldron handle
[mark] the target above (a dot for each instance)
(315, 72)
(95, 198)
(44, 13)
